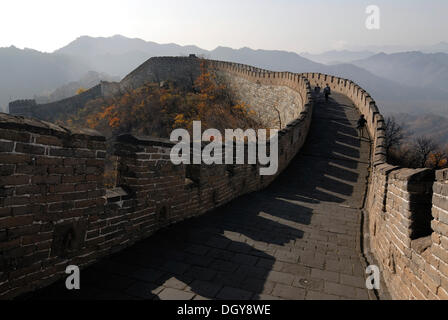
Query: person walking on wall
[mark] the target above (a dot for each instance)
(361, 125)
(317, 90)
(327, 92)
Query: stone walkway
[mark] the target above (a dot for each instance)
(298, 239)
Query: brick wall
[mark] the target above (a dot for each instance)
(22, 107)
(47, 111)
(406, 211)
(51, 184)
(55, 210)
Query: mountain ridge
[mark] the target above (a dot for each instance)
(117, 56)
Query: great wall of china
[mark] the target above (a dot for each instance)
(55, 210)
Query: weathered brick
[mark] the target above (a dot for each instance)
(63, 188)
(43, 161)
(7, 170)
(5, 212)
(441, 202)
(29, 148)
(73, 179)
(15, 135)
(49, 179)
(16, 180)
(60, 170)
(29, 189)
(6, 146)
(49, 140)
(11, 222)
(61, 152)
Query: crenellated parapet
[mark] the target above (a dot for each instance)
(23, 108)
(55, 210)
(405, 209)
(52, 184)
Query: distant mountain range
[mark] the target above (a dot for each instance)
(119, 55)
(338, 56)
(433, 48)
(428, 125)
(25, 73)
(406, 82)
(410, 68)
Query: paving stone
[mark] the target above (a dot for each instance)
(229, 278)
(197, 249)
(280, 277)
(313, 295)
(221, 265)
(288, 292)
(257, 285)
(221, 254)
(174, 294)
(325, 275)
(268, 263)
(245, 259)
(253, 271)
(339, 289)
(144, 290)
(200, 261)
(287, 256)
(296, 269)
(229, 293)
(267, 297)
(353, 281)
(239, 247)
(200, 273)
(176, 284)
(204, 288)
(175, 267)
(200, 298)
(220, 243)
(362, 294)
(308, 283)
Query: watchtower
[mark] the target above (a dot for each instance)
(22, 107)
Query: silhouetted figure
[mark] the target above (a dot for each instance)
(361, 125)
(327, 92)
(317, 90)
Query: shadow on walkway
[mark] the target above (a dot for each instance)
(296, 239)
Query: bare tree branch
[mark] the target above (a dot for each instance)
(394, 134)
(423, 148)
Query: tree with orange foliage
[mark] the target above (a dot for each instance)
(80, 90)
(155, 110)
(438, 160)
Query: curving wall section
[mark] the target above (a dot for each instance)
(407, 210)
(55, 210)
(52, 188)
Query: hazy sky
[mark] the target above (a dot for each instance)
(295, 25)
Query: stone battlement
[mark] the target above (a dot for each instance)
(55, 210)
(53, 186)
(405, 208)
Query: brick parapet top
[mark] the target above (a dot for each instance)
(32, 125)
(414, 175)
(144, 140)
(442, 175)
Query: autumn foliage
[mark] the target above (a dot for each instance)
(156, 109)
